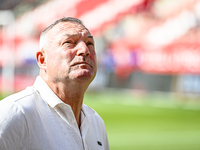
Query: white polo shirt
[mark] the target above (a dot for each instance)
(36, 119)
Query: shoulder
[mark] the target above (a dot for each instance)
(13, 122)
(17, 98)
(13, 106)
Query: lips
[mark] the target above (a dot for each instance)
(82, 63)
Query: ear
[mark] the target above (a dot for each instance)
(41, 59)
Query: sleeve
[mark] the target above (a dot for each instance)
(13, 127)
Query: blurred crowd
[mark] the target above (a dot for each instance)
(151, 45)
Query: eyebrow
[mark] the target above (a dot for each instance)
(90, 36)
(74, 35)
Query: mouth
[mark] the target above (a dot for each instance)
(82, 64)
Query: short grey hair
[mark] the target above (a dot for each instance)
(43, 40)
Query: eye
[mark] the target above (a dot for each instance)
(68, 42)
(90, 43)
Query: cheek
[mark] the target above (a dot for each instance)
(94, 58)
(64, 56)
(53, 59)
(57, 60)
(93, 55)
(67, 57)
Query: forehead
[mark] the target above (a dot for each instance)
(71, 28)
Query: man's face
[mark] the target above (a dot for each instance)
(70, 53)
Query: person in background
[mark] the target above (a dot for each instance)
(50, 115)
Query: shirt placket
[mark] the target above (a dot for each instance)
(67, 115)
(84, 128)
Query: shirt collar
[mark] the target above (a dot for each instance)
(52, 99)
(87, 110)
(46, 92)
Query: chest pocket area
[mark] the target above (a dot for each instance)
(94, 146)
(94, 141)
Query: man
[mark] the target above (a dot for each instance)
(50, 115)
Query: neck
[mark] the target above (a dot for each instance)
(71, 94)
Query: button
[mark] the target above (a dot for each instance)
(73, 121)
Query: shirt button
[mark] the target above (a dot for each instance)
(73, 121)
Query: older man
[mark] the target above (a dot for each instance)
(50, 115)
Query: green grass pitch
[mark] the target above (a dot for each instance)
(134, 124)
(145, 127)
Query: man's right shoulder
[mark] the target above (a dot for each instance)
(17, 107)
(13, 119)
(16, 98)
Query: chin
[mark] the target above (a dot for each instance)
(85, 75)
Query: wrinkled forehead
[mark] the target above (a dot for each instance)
(71, 28)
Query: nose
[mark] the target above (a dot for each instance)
(82, 49)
